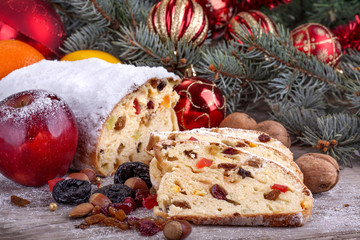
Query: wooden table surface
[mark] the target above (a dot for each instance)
(336, 215)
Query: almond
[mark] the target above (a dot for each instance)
(81, 210)
(99, 199)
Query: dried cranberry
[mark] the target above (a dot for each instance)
(140, 195)
(126, 207)
(150, 105)
(264, 138)
(148, 228)
(218, 192)
(150, 202)
(243, 173)
(131, 201)
(132, 169)
(72, 191)
(136, 106)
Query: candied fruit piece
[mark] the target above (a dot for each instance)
(137, 106)
(150, 202)
(203, 162)
(282, 188)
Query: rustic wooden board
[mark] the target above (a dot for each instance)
(336, 214)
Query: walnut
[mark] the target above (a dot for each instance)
(275, 130)
(321, 171)
(238, 120)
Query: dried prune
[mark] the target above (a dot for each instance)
(132, 169)
(72, 191)
(116, 192)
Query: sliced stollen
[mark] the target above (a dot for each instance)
(205, 185)
(260, 149)
(116, 106)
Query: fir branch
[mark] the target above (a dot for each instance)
(337, 134)
(88, 37)
(142, 47)
(131, 13)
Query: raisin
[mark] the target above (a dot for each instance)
(111, 211)
(218, 192)
(132, 169)
(133, 221)
(240, 144)
(227, 166)
(137, 106)
(243, 173)
(272, 195)
(82, 226)
(120, 215)
(181, 204)
(72, 191)
(161, 85)
(18, 201)
(148, 228)
(138, 147)
(231, 151)
(150, 105)
(112, 222)
(191, 154)
(120, 123)
(94, 219)
(116, 192)
(254, 163)
(264, 138)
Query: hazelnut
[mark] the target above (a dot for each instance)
(136, 183)
(99, 199)
(79, 176)
(81, 210)
(238, 120)
(275, 130)
(90, 173)
(177, 230)
(321, 171)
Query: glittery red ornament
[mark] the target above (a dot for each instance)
(178, 20)
(218, 12)
(201, 104)
(34, 22)
(250, 19)
(317, 40)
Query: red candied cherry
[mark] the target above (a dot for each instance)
(282, 188)
(150, 202)
(203, 162)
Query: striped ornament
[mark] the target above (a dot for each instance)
(177, 20)
(251, 19)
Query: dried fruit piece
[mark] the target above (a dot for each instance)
(94, 219)
(111, 222)
(191, 154)
(231, 151)
(161, 85)
(264, 138)
(282, 188)
(240, 144)
(120, 123)
(116, 192)
(72, 191)
(148, 228)
(150, 202)
(150, 105)
(272, 195)
(203, 162)
(137, 106)
(181, 204)
(18, 201)
(244, 173)
(132, 169)
(120, 215)
(140, 195)
(254, 163)
(227, 166)
(52, 182)
(218, 192)
(193, 139)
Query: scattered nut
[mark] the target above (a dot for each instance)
(81, 210)
(53, 206)
(177, 230)
(321, 171)
(238, 120)
(79, 176)
(136, 183)
(275, 130)
(99, 199)
(90, 173)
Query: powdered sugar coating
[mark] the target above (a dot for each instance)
(91, 87)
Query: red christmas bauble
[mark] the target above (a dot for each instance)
(317, 40)
(218, 12)
(201, 104)
(178, 20)
(34, 22)
(250, 19)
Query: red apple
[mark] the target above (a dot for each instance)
(38, 137)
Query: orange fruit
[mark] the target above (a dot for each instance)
(85, 54)
(15, 54)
